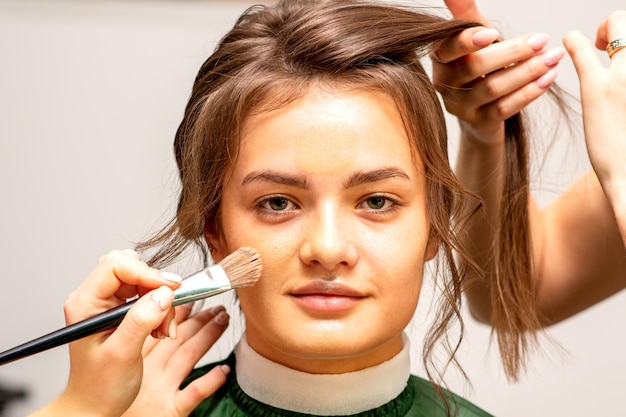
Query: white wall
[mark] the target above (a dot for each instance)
(90, 96)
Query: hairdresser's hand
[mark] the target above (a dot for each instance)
(484, 82)
(603, 97)
(107, 368)
(168, 361)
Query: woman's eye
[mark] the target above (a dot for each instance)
(377, 202)
(277, 204)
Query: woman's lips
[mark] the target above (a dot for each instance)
(327, 296)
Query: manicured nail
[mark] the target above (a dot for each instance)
(221, 318)
(546, 79)
(170, 276)
(163, 297)
(538, 41)
(553, 56)
(485, 37)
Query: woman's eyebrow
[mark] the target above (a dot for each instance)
(359, 178)
(277, 178)
(354, 180)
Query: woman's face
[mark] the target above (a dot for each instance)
(328, 192)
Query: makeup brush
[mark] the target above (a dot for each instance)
(240, 269)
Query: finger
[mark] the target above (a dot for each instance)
(503, 54)
(514, 102)
(189, 353)
(487, 60)
(602, 35)
(119, 269)
(192, 395)
(584, 57)
(191, 325)
(166, 349)
(144, 316)
(465, 9)
(611, 28)
(167, 328)
(183, 312)
(468, 41)
(180, 314)
(504, 82)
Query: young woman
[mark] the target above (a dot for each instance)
(314, 135)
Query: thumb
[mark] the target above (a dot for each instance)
(146, 315)
(583, 55)
(465, 9)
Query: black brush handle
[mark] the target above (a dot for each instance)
(103, 321)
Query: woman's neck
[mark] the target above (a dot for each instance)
(322, 394)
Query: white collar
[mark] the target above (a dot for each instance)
(321, 394)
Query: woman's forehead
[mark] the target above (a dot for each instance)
(328, 133)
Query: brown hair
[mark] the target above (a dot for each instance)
(274, 55)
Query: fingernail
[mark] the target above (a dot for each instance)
(170, 276)
(221, 318)
(172, 329)
(538, 41)
(485, 37)
(546, 79)
(225, 369)
(553, 56)
(163, 297)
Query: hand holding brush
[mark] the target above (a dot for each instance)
(240, 269)
(109, 371)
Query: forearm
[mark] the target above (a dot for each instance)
(580, 258)
(479, 168)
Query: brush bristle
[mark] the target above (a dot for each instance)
(243, 267)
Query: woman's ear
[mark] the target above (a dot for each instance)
(213, 243)
(432, 247)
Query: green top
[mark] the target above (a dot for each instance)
(417, 400)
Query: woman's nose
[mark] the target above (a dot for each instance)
(330, 241)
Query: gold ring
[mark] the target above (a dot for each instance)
(615, 46)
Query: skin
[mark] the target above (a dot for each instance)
(326, 189)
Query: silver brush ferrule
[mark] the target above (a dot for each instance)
(200, 285)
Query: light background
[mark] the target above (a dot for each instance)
(91, 93)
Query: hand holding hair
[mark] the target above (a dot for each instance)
(484, 80)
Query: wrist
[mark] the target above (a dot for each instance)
(484, 138)
(63, 407)
(472, 147)
(72, 405)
